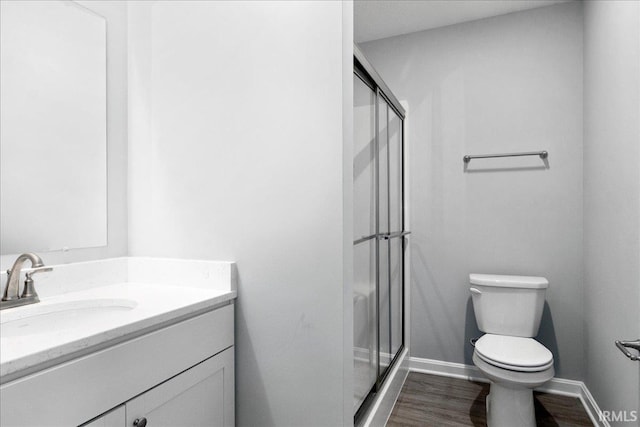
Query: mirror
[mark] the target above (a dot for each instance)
(53, 152)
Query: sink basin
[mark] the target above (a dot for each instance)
(44, 319)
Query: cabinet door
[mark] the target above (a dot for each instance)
(113, 418)
(200, 396)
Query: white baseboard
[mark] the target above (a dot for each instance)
(592, 408)
(559, 386)
(447, 369)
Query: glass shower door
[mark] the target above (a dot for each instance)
(396, 229)
(378, 241)
(384, 295)
(390, 236)
(365, 351)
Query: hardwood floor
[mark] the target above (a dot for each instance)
(431, 400)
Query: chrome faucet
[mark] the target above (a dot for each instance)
(12, 297)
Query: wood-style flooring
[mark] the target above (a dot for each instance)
(431, 400)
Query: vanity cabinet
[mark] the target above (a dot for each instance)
(200, 396)
(181, 374)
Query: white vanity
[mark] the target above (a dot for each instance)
(122, 342)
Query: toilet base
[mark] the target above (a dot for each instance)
(509, 407)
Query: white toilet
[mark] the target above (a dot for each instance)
(508, 310)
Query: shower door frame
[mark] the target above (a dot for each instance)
(367, 74)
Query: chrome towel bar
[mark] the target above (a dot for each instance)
(624, 345)
(542, 154)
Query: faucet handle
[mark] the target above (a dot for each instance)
(33, 271)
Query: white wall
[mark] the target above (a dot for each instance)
(505, 84)
(612, 200)
(236, 153)
(115, 14)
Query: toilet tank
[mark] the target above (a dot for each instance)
(508, 305)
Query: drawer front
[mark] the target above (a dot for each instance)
(80, 389)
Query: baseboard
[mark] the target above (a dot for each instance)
(447, 369)
(382, 406)
(592, 408)
(558, 386)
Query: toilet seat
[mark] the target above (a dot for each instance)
(514, 353)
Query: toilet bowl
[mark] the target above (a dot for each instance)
(510, 400)
(509, 309)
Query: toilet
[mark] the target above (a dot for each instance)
(508, 310)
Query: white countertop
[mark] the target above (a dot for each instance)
(130, 307)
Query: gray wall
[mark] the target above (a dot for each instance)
(504, 84)
(612, 200)
(239, 138)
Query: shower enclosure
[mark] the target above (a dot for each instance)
(378, 241)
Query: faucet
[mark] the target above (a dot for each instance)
(11, 297)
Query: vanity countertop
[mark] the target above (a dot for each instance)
(78, 316)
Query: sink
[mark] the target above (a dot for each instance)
(47, 318)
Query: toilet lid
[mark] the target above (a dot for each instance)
(515, 353)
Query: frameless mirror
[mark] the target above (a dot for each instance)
(53, 158)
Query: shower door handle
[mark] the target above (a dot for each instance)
(387, 236)
(624, 347)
